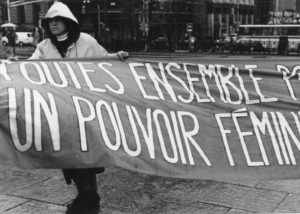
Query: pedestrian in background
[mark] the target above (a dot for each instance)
(12, 38)
(36, 36)
(64, 40)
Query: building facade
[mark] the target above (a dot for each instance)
(224, 16)
(281, 5)
(142, 24)
(25, 15)
(163, 24)
(263, 8)
(153, 24)
(284, 12)
(298, 6)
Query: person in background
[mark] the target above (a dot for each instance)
(12, 38)
(36, 36)
(64, 40)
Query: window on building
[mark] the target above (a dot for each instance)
(113, 4)
(161, 5)
(21, 14)
(36, 11)
(1, 16)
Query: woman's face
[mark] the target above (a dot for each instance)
(57, 26)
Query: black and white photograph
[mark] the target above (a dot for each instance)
(149, 106)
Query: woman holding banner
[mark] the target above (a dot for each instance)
(64, 40)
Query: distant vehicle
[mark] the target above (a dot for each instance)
(24, 38)
(269, 35)
(160, 43)
(231, 38)
(185, 44)
(225, 42)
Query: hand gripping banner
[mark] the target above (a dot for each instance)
(203, 120)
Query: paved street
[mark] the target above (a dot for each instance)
(44, 191)
(122, 191)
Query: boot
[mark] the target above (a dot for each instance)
(85, 203)
(87, 200)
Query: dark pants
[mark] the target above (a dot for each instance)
(84, 179)
(12, 51)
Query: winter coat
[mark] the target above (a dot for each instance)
(85, 46)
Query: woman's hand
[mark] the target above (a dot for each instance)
(12, 58)
(9, 60)
(122, 55)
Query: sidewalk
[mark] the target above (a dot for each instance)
(44, 191)
(21, 52)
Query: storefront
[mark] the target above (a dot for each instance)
(142, 24)
(169, 23)
(112, 22)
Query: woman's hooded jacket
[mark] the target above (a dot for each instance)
(80, 44)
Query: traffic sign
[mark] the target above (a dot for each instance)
(189, 27)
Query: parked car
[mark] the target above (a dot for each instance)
(24, 38)
(246, 46)
(184, 43)
(160, 43)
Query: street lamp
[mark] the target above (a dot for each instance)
(99, 19)
(238, 17)
(145, 21)
(8, 11)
